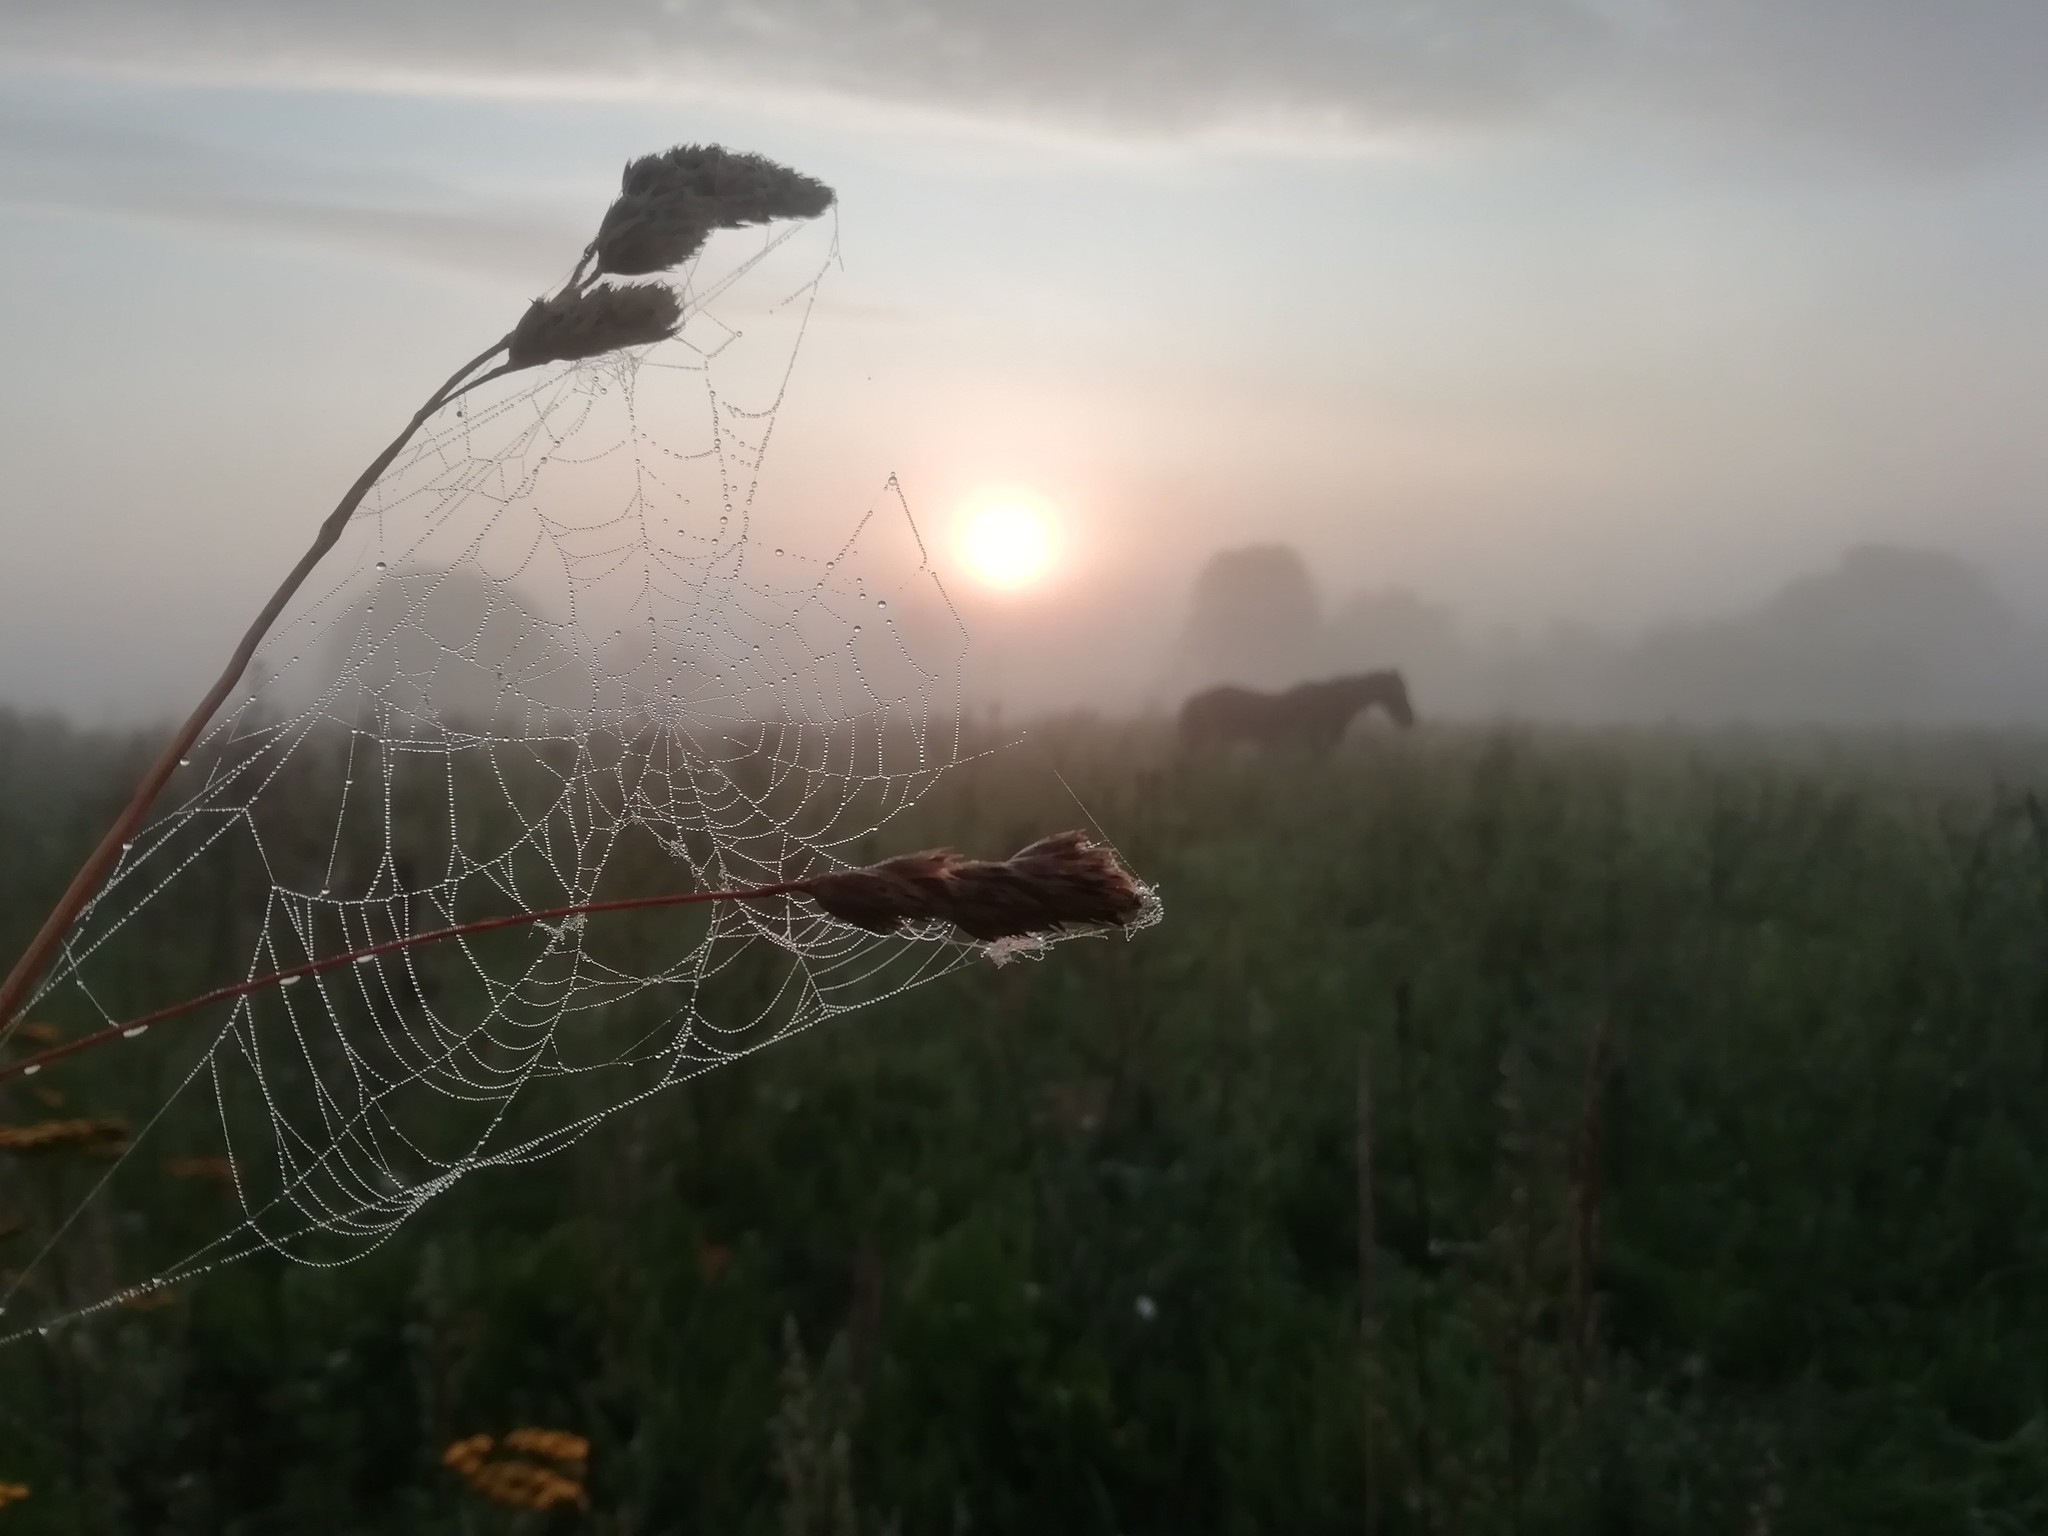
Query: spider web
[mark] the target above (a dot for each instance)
(567, 651)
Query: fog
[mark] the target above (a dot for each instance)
(1883, 636)
(1594, 359)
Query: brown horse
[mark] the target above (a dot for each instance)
(1312, 715)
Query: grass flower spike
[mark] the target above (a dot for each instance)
(669, 204)
(593, 321)
(1058, 882)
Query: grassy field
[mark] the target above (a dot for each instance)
(1507, 1131)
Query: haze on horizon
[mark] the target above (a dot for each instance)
(1624, 314)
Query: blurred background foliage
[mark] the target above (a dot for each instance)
(1507, 1131)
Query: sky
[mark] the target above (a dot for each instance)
(1609, 311)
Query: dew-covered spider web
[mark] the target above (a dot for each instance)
(574, 646)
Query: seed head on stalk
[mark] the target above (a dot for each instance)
(589, 322)
(1060, 884)
(668, 205)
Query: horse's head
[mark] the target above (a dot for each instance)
(1393, 697)
(1386, 689)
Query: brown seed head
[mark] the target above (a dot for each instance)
(38, 1034)
(575, 325)
(12, 1493)
(1062, 881)
(671, 202)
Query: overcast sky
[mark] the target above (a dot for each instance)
(1602, 309)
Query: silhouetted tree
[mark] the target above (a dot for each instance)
(1255, 618)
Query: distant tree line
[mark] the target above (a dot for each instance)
(1888, 636)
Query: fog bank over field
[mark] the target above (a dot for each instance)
(1886, 636)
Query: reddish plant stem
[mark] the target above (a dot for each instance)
(43, 947)
(113, 1032)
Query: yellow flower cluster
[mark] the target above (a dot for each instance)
(12, 1493)
(103, 1134)
(549, 1445)
(467, 1456)
(524, 1484)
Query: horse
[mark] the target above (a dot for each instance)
(1310, 715)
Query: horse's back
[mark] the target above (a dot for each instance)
(1310, 715)
(1222, 713)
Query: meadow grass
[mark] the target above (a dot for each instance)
(1696, 1082)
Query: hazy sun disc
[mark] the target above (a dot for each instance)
(1007, 544)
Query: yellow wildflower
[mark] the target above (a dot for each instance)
(522, 1485)
(550, 1445)
(467, 1456)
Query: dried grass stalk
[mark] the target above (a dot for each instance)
(671, 202)
(1062, 881)
(574, 325)
(1059, 882)
(86, 1135)
(467, 1456)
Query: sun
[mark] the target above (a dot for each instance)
(1007, 542)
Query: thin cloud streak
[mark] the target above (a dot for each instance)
(63, 162)
(1906, 83)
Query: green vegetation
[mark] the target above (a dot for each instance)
(1701, 1086)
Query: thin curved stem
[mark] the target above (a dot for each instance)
(100, 862)
(29, 1065)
